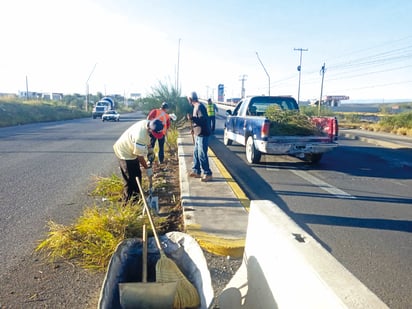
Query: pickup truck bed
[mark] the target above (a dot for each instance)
(249, 126)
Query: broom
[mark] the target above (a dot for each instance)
(167, 271)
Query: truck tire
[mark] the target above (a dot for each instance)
(252, 154)
(226, 140)
(313, 158)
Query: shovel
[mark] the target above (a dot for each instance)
(152, 201)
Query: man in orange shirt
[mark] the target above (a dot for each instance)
(163, 116)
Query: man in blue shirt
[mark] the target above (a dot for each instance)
(201, 131)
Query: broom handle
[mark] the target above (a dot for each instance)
(144, 258)
(159, 246)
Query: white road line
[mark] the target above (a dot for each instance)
(323, 185)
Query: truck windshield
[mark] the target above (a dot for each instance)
(258, 105)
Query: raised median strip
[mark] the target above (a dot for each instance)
(373, 141)
(214, 212)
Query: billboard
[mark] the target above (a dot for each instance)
(337, 97)
(221, 93)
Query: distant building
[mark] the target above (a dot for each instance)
(7, 95)
(330, 100)
(52, 96)
(30, 95)
(135, 96)
(233, 100)
(55, 96)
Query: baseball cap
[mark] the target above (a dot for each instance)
(194, 97)
(156, 126)
(165, 105)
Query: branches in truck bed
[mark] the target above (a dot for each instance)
(290, 122)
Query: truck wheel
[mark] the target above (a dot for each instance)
(313, 158)
(226, 140)
(252, 154)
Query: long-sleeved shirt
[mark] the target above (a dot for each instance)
(133, 142)
(201, 125)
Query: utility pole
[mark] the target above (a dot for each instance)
(300, 68)
(322, 71)
(265, 70)
(27, 88)
(178, 63)
(243, 79)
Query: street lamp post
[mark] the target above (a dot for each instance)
(87, 87)
(265, 71)
(178, 64)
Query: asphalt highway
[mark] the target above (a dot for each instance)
(45, 172)
(356, 203)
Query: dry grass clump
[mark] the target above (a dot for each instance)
(93, 238)
(403, 131)
(287, 123)
(172, 135)
(111, 188)
(377, 127)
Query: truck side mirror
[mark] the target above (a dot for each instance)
(228, 112)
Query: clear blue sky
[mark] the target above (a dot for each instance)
(129, 46)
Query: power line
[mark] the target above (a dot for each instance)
(395, 58)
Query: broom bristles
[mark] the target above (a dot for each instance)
(186, 294)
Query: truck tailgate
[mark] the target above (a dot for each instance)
(295, 144)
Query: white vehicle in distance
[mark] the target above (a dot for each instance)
(111, 115)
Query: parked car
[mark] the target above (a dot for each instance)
(111, 115)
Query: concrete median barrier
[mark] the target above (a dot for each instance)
(284, 267)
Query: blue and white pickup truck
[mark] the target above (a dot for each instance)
(248, 126)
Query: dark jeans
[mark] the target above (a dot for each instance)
(200, 158)
(212, 122)
(161, 142)
(130, 170)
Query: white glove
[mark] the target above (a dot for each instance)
(173, 117)
(149, 172)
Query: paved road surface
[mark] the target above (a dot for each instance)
(45, 172)
(357, 203)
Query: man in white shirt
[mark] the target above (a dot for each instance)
(131, 149)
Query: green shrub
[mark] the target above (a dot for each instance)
(313, 111)
(403, 120)
(16, 112)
